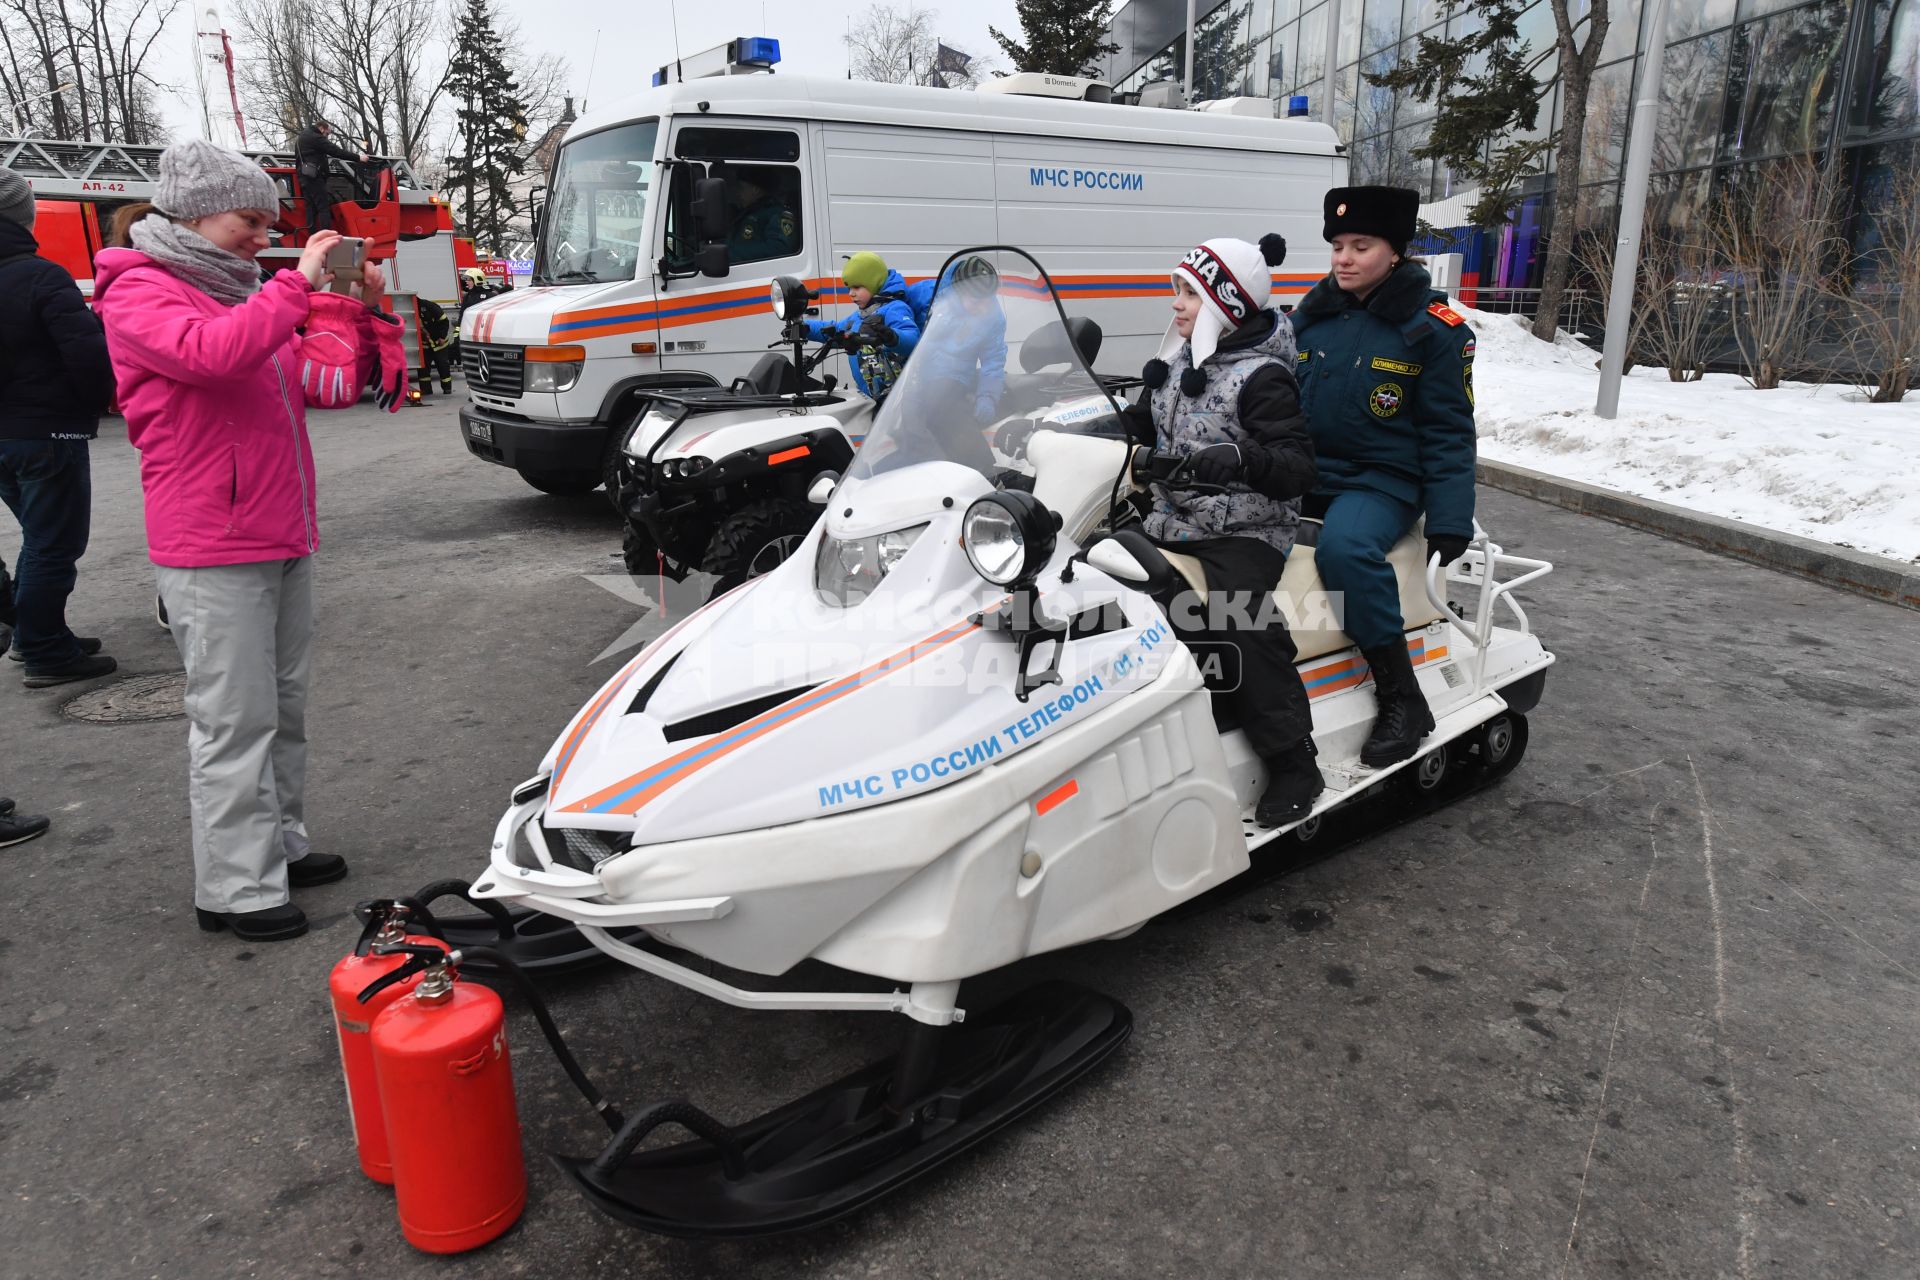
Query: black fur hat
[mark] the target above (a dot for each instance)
(1388, 212)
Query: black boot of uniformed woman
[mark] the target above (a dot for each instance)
(1402, 718)
(1293, 781)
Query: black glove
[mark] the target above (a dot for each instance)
(877, 332)
(794, 331)
(1011, 439)
(1217, 464)
(1448, 546)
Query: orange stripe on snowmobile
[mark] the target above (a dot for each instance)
(1057, 797)
(788, 455)
(632, 794)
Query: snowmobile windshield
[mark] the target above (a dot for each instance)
(999, 356)
(596, 213)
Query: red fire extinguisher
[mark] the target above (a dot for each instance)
(446, 1086)
(352, 1020)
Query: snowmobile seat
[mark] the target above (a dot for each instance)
(1303, 598)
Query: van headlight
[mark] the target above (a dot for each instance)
(1008, 536)
(846, 570)
(554, 368)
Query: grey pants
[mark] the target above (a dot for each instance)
(245, 635)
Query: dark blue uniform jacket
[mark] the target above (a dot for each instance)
(1388, 390)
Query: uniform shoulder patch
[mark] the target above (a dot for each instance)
(1445, 314)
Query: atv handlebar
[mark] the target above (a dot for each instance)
(1171, 470)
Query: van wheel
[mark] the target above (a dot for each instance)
(755, 539)
(564, 484)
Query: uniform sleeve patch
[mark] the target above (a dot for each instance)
(1445, 314)
(1396, 366)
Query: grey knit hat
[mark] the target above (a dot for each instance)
(16, 198)
(198, 179)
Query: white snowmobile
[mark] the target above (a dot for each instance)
(954, 730)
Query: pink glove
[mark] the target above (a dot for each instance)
(330, 351)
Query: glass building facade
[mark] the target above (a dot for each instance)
(1744, 81)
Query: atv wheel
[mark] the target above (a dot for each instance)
(755, 539)
(610, 459)
(563, 484)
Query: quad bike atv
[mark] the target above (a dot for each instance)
(716, 479)
(953, 730)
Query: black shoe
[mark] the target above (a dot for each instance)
(18, 828)
(1293, 783)
(1402, 718)
(89, 645)
(316, 868)
(6, 806)
(160, 613)
(269, 924)
(446, 388)
(88, 667)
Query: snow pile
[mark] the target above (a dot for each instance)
(1820, 462)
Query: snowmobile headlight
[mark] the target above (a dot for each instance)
(1008, 536)
(847, 570)
(554, 368)
(694, 466)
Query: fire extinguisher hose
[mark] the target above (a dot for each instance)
(609, 1113)
(421, 958)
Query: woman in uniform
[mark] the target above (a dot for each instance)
(1386, 374)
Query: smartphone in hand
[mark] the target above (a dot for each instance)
(344, 261)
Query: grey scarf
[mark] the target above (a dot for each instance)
(225, 277)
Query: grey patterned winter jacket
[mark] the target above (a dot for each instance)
(1251, 400)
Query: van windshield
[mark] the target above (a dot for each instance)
(596, 218)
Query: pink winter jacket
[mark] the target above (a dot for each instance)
(213, 402)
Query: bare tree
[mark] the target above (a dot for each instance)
(1882, 312)
(1778, 236)
(904, 48)
(375, 68)
(73, 69)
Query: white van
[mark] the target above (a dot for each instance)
(669, 215)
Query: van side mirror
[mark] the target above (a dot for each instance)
(712, 260)
(710, 208)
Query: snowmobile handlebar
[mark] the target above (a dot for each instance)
(1171, 470)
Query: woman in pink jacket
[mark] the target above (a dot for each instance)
(215, 372)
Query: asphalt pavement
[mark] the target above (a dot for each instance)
(1645, 1008)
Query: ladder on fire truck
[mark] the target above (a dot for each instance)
(120, 170)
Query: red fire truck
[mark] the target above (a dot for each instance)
(77, 187)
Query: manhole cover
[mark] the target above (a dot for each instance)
(133, 700)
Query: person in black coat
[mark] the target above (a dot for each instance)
(55, 382)
(310, 151)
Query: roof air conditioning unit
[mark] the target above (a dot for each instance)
(1042, 84)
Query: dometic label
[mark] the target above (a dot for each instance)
(1004, 741)
(1087, 179)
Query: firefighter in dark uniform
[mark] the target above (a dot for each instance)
(1386, 374)
(310, 151)
(764, 227)
(437, 340)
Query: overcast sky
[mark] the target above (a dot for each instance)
(636, 36)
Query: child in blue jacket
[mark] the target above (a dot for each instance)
(881, 333)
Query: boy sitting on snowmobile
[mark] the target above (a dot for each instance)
(1221, 394)
(880, 334)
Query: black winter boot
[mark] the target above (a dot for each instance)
(1402, 718)
(1293, 780)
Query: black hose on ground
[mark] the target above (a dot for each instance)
(568, 1063)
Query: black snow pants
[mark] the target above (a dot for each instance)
(1241, 640)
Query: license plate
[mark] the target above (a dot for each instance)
(480, 431)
